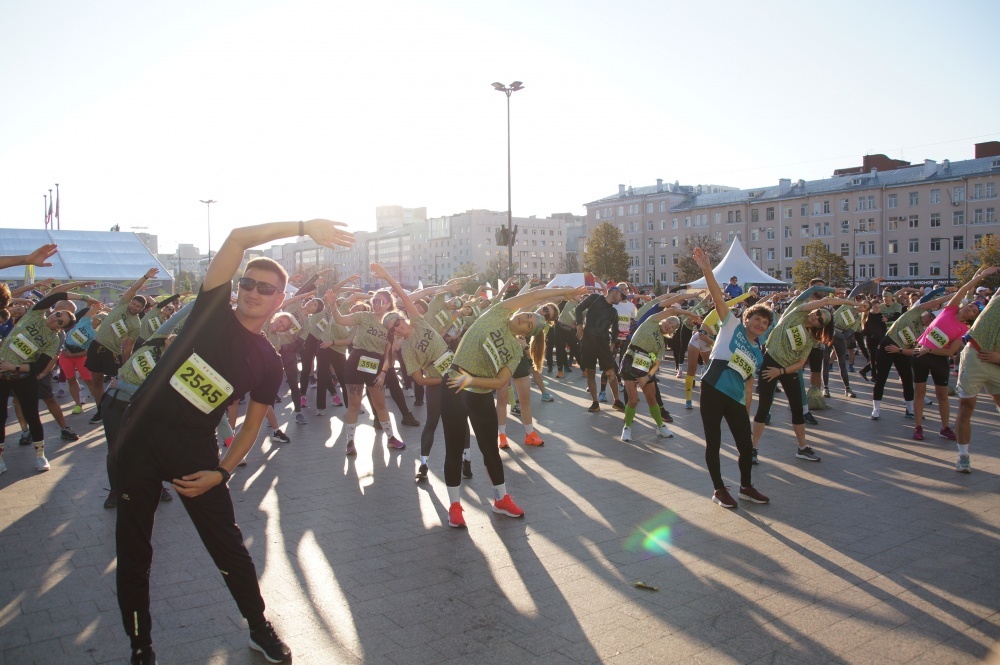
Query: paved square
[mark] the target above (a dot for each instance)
(879, 553)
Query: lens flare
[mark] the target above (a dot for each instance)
(654, 535)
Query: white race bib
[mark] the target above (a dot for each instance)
(119, 328)
(322, 325)
(641, 361)
(493, 353)
(23, 347)
(744, 364)
(368, 365)
(78, 337)
(154, 323)
(847, 318)
(940, 339)
(443, 318)
(443, 364)
(797, 337)
(197, 382)
(907, 336)
(296, 326)
(143, 363)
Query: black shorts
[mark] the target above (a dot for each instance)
(45, 387)
(102, 360)
(936, 366)
(594, 352)
(629, 373)
(816, 360)
(358, 372)
(523, 368)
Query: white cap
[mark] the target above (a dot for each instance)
(982, 289)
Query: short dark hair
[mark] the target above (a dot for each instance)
(270, 265)
(817, 280)
(760, 309)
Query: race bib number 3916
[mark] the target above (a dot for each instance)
(199, 384)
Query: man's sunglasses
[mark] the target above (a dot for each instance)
(263, 288)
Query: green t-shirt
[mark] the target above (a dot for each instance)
(790, 341)
(425, 349)
(568, 315)
(277, 339)
(845, 318)
(298, 319)
(317, 324)
(986, 328)
(438, 315)
(893, 310)
(334, 331)
(144, 359)
(118, 326)
(488, 346)
(29, 339)
(150, 323)
(648, 338)
(369, 334)
(905, 330)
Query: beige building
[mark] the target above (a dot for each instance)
(906, 224)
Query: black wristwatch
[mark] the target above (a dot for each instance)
(225, 475)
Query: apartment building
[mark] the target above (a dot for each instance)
(911, 223)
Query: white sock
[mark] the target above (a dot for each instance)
(876, 406)
(349, 430)
(453, 493)
(502, 429)
(467, 455)
(963, 449)
(805, 409)
(40, 448)
(423, 459)
(387, 427)
(500, 491)
(909, 406)
(528, 429)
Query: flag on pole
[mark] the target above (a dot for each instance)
(48, 218)
(58, 223)
(45, 207)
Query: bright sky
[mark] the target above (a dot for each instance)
(282, 110)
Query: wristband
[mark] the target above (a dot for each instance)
(225, 475)
(302, 231)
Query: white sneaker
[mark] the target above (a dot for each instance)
(680, 373)
(626, 433)
(3, 466)
(928, 401)
(41, 464)
(664, 432)
(409, 392)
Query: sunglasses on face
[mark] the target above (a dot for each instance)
(380, 301)
(263, 288)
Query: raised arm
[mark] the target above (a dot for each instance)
(538, 296)
(39, 257)
(382, 273)
(981, 274)
(718, 297)
(137, 284)
(823, 302)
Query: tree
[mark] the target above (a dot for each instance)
(496, 269)
(465, 269)
(985, 253)
(606, 256)
(687, 269)
(570, 263)
(820, 262)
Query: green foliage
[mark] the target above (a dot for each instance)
(687, 269)
(985, 253)
(820, 262)
(496, 269)
(606, 256)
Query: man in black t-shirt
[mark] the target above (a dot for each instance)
(595, 337)
(168, 432)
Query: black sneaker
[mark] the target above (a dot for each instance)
(667, 418)
(594, 408)
(422, 472)
(810, 419)
(807, 454)
(165, 495)
(112, 500)
(280, 436)
(418, 402)
(143, 657)
(467, 468)
(25, 439)
(95, 419)
(268, 643)
(69, 435)
(410, 421)
(753, 457)
(618, 405)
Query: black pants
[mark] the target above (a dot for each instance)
(716, 406)
(308, 354)
(433, 395)
(839, 345)
(859, 341)
(679, 344)
(790, 383)
(456, 412)
(884, 361)
(408, 382)
(290, 363)
(148, 455)
(112, 414)
(26, 392)
(324, 376)
(339, 362)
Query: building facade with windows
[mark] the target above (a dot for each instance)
(910, 223)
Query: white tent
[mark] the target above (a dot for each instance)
(736, 262)
(564, 280)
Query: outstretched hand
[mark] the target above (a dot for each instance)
(40, 256)
(702, 259)
(329, 233)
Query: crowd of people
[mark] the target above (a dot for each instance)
(168, 376)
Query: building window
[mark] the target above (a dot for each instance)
(861, 203)
(804, 210)
(913, 269)
(991, 190)
(861, 248)
(845, 226)
(826, 207)
(788, 252)
(663, 206)
(914, 221)
(935, 244)
(673, 241)
(788, 212)
(845, 249)
(663, 260)
(755, 254)
(892, 201)
(892, 223)
(977, 216)
(769, 214)
(871, 202)
(935, 196)
(754, 216)
(770, 233)
(729, 217)
(989, 215)
(788, 273)
(893, 270)
(804, 231)
(871, 249)
(673, 223)
(935, 269)
(958, 218)
(845, 205)
(788, 232)
(957, 194)
(914, 198)
(894, 247)
(739, 216)
(935, 220)
(718, 218)
(862, 271)
(958, 242)
(687, 222)
(754, 234)
(770, 253)
(649, 207)
(914, 245)
(977, 191)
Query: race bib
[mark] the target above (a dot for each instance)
(493, 353)
(711, 328)
(477, 311)
(938, 337)
(744, 364)
(23, 347)
(368, 365)
(296, 326)
(155, 322)
(907, 336)
(199, 384)
(322, 325)
(78, 337)
(641, 361)
(847, 318)
(143, 363)
(443, 364)
(119, 328)
(443, 318)
(797, 337)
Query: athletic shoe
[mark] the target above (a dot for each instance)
(300, 418)
(466, 468)
(665, 415)
(455, 518)
(850, 368)
(533, 440)
(810, 419)
(626, 433)
(549, 370)
(418, 402)
(849, 393)
(723, 498)
(410, 421)
(302, 402)
(3, 466)
(928, 401)
(964, 464)
(506, 506)
(395, 444)
(947, 433)
(515, 410)
(280, 436)
(143, 656)
(751, 494)
(688, 405)
(559, 374)
(112, 500)
(864, 375)
(41, 464)
(67, 434)
(918, 433)
(268, 643)
(807, 454)
(753, 457)
(422, 472)
(409, 392)
(351, 450)
(320, 413)
(664, 432)
(594, 408)
(228, 441)
(77, 410)
(680, 374)
(569, 370)
(618, 405)
(909, 414)
(165, 495)
(547, 397)
(25, 439)
(602, 397)
(876, 415)
(826, 392)
(502, 441)
(95, 419)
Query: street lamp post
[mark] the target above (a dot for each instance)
(507, 90)
(208, 215)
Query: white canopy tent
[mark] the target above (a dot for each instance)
(736, 262)
(568, 279)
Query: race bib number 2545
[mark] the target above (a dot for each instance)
(199, 384)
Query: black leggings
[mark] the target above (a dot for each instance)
(884, 361)
(290, 363)
(715, 406)
(339, 362)
(433, 397)
(112, 414)
(790, 383)
(26, 392)
(839, 345)
(859, 341)
(456, 412)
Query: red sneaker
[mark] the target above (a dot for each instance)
(455, 518)
(502, 441)
(918, 433)
(533, 440)
(506, 506)
(723, 498)
(947, 433)
(751, 494)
